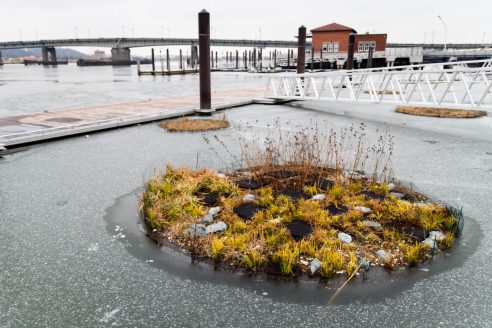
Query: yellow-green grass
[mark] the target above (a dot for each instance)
(174, 199)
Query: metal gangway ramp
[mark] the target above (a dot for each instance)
(466, 84)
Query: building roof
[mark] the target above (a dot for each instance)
(333, 27)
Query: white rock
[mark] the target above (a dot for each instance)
(382, 255)
(216, 227)
(391, 186)
(345, 238)
(209, 218)
(249, 198)
(314, 266)
(429, 242)
(220, 175)
(318, 197)
(371, 224)
(363, 209)
(398, 195)
(436, 235)
(354, 175)
(195, 230)
(214, 210)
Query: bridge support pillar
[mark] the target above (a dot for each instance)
(1, 59)
(48, 55)
(120, 56)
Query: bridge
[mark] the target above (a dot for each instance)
(153, 42)
(452, 84)
(144, 42)
(120, 47)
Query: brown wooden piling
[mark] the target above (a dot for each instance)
(350, 54)
(205, 76)
(301, 50)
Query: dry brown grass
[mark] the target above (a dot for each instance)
(195, 125)
(386, 92)
(440, 112)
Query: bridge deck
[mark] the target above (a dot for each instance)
(24, 129)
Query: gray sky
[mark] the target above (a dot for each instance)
(404, 21)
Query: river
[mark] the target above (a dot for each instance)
(72, 253)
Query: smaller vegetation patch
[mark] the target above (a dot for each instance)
(440, 112)
(195, 125)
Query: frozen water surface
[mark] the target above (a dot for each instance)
(65, 263)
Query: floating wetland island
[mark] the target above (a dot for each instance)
(299, 203)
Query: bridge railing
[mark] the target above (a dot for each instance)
(458, 86)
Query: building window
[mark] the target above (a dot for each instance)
(365, 45)
(330, 47)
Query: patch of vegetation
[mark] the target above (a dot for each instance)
(195, 125)
(440, 112)
(310, 202)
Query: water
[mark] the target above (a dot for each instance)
(64, 264)
(29, 89)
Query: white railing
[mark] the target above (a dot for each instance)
(453, 84)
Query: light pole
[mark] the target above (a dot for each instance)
(445, 31)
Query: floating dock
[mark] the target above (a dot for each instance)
(27, 129)
(165, 72)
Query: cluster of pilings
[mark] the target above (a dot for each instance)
(230, 60)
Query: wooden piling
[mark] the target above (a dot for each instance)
(369, 57)
(312, 58)
(301, 50)
(350, 54)
(180, 59)
(205, 76)
(168, 64)
(153, 60)
(260, 58)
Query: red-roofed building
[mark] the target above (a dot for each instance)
(334, 38)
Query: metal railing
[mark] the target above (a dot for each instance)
(453, 84)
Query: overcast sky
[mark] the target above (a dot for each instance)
(403, 21)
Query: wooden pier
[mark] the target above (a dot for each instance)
(37, 127)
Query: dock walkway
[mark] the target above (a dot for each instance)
(31, 128)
